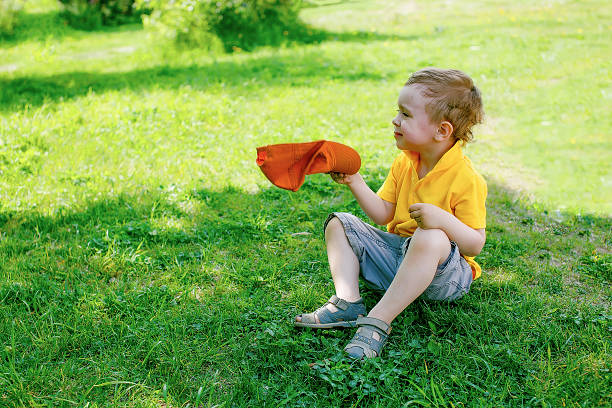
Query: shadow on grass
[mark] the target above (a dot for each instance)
(232, 219)
(199, 292)
(308, 68)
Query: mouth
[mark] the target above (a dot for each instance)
(398, 134)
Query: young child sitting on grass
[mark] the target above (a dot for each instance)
(433, 202)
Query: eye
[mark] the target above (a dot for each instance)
(404, 114)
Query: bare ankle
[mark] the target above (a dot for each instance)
(351, 298)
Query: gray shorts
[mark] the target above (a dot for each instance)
(380, 254)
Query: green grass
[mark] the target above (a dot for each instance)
(145, 260)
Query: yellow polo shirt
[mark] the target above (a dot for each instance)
(452, 185)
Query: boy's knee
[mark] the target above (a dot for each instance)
(333, 226)
(434, 240)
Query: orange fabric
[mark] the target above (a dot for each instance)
(286, 165)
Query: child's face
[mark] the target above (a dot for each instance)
(413, 127)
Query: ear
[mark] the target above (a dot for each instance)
(444, 131)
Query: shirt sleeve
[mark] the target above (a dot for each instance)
(470, 203)
(389, 188)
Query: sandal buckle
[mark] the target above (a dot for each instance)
(339, 303)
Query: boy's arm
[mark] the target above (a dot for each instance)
(469, 240)
(379, 210)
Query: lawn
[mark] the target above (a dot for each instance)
(145, 260)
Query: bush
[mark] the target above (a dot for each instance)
(93, 14)
(9, 13)
(232, 24)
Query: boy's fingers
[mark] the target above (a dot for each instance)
(337, 177)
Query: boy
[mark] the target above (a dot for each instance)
(433, 203)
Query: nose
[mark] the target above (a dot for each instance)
(395, 121)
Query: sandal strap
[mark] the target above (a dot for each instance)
(370, 341)
(372, 321)
(341, 303)
(364, 339)
(367, 349)
(347, 311)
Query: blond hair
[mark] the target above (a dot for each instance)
(452, 97)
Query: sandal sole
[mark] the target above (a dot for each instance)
(338, 325)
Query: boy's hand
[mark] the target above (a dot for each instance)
(427, 216)
(342, 178)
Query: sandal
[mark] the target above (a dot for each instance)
(346, 315)
(363, 344)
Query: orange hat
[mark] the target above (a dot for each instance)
(286, 165)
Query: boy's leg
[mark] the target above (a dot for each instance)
(427, 249)
(343, 264)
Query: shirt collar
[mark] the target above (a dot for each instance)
(452, 156)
